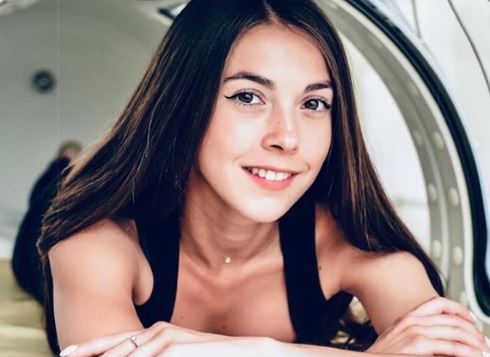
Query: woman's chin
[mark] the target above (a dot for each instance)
(266, 213)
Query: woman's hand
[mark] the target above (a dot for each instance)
(437, 327)
(167, 340)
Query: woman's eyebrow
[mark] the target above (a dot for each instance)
(252, 77)
(317, 86)
(270, 84)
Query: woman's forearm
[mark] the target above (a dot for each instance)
(299, 350)
(161, 337)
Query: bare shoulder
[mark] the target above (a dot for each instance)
(363, 267)
(111, 240)
(388, 285)
(94, 275)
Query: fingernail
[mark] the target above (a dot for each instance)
(72, 348)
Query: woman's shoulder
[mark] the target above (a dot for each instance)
(107, 247)
(343, 266)
(95, 274)
(118, 233)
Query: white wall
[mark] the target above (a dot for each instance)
(102, 55)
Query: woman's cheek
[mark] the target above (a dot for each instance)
(318, 143)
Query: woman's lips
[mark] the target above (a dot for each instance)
(267, 184)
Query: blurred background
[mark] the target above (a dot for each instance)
(67, 69)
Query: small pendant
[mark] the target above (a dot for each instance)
(227, 260)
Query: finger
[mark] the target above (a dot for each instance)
(448, 320)
(167, 337)
(441, 305)
(452, 334)
(451, 348)
(132, 343)
(157, 344)
(123, 349)
(100, 345)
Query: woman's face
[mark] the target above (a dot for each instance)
(270, 130)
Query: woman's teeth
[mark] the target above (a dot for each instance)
(269, 175)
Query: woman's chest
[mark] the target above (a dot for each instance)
(254, 305)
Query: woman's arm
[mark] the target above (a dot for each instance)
(167, 340)
(94, 273)
(388, 285)
(407, 312)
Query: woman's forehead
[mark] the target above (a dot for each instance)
(273, 49)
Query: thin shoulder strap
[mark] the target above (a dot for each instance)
(160, 242)
(305, 297)
(314, 318)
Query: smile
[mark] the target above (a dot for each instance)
(269, 179)
(269, 175)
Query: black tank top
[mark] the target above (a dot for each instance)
(315, 319)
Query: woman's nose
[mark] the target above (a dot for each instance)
(281, 132)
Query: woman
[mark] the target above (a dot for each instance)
(233, 209)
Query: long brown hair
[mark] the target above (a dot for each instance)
(140, 169)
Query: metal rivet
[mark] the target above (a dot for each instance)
(458, 255)
(453, 196)
(436, 249)
(417, 137)
(432, 192)
(438, 140)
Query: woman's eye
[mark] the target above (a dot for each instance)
(317, 105)
(246, 98)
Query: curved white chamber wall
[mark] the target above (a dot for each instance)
(440, 130)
